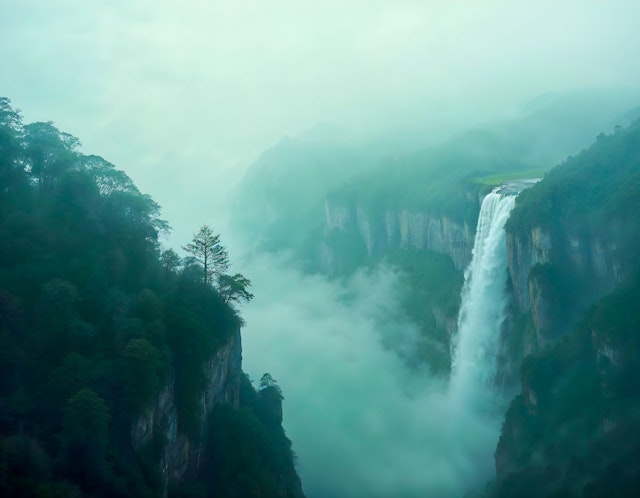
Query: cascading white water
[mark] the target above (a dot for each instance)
(483, 307)
(397, 433)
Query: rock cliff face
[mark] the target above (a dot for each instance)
(523, 252)
(181, 455)
(572, 245)
(401, 228)
(588, 260)
(587, 255)
(573, 429)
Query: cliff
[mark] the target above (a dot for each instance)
(181, 455)
(571, 238)
(523, 252)
(115, 354)
(573, 429)
(572, 252)
(202, 458)
(556, 274)
(384, 229)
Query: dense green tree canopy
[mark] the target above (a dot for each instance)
(95, 320)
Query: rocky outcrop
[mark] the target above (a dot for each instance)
(181, 455)
(222, 372)
(587, 256)
(587, 265)
(541, 311)
(595, 256)
(578, 405)
(523, 252)
(401, 228)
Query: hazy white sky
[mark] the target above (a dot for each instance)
(171, 90)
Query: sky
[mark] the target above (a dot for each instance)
(184, 95)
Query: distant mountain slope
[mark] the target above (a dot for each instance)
(283, 193)
(340, 204)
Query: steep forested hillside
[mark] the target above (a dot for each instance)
(573, 430)
(108, 345)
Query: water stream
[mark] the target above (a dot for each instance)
(482, 308)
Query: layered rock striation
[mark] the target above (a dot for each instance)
(381, 230)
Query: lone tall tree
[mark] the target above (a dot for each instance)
(207, 250)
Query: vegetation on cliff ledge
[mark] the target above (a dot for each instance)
(573, 430)
(94, 321)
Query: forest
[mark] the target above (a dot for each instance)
(120, 365)
(98, 323)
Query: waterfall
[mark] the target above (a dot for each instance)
(482, 307)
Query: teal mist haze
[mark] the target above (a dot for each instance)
(301, 131)
(174, 91)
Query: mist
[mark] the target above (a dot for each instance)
(176, 91)
(185, 96)
(363, 423)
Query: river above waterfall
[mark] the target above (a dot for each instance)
(514, 187)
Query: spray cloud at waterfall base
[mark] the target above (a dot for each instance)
(362, 423)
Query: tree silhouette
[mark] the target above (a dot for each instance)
(206, 249)
(234, 288)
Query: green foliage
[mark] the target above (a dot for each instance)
(499, 179)
(148, 306)
(248, 453)
(170, 261)
(72, 375)
(49, 153)
(197, 322)
(587, 190)
(208, 251)
(86, 419)
(286, 188)
(94, 320)
(233, 288)
(574, 431)
(239, 444)
(520, 334)
(429, 296)
(142, 374)
(588, 218)
(559, 287)
(267, 381)
(23, 465)
(443, 179)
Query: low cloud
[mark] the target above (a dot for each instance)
(361, 422)
(188, 93)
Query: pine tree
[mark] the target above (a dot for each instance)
(206, 249)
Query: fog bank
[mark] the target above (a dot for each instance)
(183, 95)
(362, 424)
